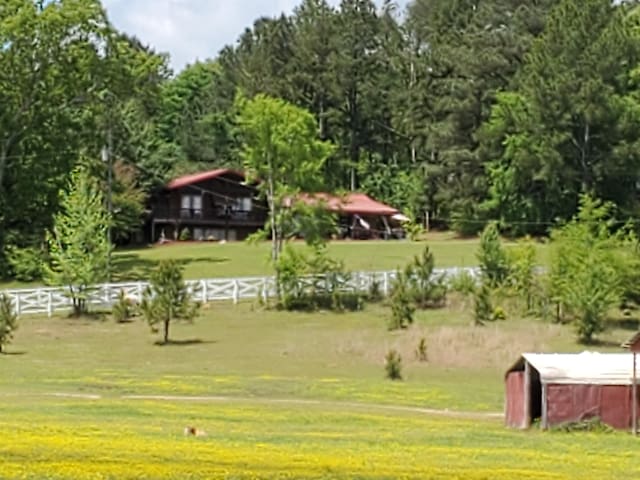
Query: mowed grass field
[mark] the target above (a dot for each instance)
(283, 395)
(239, 259)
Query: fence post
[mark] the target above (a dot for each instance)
(385, 283)
(236, 292)
(265, 294)
(49, 303)
(140, 289)
(18, 310)
(203, 289)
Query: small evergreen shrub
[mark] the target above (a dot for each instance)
(8, 320)
(124, 308)
(167, 299)
(483, 309)
(402, 308)
(393, 365)
(426, 288)
(421, 350)
(493, 259)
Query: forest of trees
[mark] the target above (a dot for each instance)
(505, 110)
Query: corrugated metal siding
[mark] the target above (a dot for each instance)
(574, 403)
(616, 406)
(514, 401)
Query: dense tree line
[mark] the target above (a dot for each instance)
(504, 110)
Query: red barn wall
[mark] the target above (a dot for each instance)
(514, 400)
(573, 403)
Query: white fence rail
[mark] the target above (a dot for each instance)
(47, 300)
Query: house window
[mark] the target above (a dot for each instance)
(191, 206)
(243, 204)
(242, 207)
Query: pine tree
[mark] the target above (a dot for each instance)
(79, 248)
(493, 260)
(571, 126)
(167, 299)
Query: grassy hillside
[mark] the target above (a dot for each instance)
(283, 395)
(237, 259)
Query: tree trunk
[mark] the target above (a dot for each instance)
(166, 331)
(3, 162)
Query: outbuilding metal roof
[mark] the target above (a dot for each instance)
(581, 368)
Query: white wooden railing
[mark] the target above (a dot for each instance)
(47, 300)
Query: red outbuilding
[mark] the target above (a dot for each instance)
(561, 388)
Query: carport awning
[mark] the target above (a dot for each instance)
(580, 368)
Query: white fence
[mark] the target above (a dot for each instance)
(53, 299)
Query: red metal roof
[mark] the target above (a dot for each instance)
(350, 203)
(202, 176)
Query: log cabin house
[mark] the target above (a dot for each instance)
(220, 205)
(214, 205)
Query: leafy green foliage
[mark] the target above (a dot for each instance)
(522, 274)
(8, 320)
(185, 235)
(586, 272)
(280, 147)
(79, 249)
(402, 309)
(314, 281)
(27, 264)
(463, 282)
(68, 78)
(492, 258)
(128, 202)
(124, 308)
(393, 365)
(571, 125)
(167, 298)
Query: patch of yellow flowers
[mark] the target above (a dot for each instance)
(117, 439)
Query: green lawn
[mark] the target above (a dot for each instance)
(237, 259)
(282, 395)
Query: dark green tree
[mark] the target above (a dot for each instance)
(572, 125)
(462, 53)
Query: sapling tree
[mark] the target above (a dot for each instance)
(492, 258)
(281, 150)
(587, 267)
(79, 247)
(167, 298)
(402, 308)
(522, 275)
